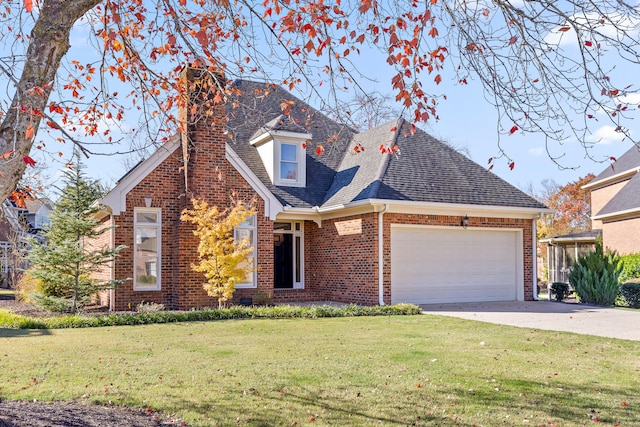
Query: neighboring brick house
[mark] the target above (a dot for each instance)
(350, 224)
(615, 203)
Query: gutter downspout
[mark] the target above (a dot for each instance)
(535, 258)
(112, 267)
(381, 254)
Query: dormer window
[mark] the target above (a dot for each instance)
(289, 163)
(283, 155)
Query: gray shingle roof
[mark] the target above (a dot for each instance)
(626, 199)
(426, 170)
(628, 161)
(258, 104)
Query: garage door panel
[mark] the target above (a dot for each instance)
(431, 265)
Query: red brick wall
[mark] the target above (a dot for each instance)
(212, 178)
(341, 263)
(103, 241)
(622, 236)
(600, 197)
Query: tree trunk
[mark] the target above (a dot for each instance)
(48, 44)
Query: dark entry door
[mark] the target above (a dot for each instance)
(283, 261)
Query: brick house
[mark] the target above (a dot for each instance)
(350, 224)
(615, 203)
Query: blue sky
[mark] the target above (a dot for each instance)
(466, 120)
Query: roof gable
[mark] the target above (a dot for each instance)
(628, 164)
(625, 203)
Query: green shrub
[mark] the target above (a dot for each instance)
(594, 276)
(9, 320)
(631, 293)
(560, 290)
(631, 267)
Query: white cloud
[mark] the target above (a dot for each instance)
(632, 98)
(607, 135)
(536, 151)
(614, 26)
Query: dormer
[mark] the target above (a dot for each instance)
(281, 146)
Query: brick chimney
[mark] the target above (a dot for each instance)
(202, 115)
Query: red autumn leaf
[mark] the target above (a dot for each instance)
(513, 130)
(588, 43)
(512, 165)
(564, 29)
(29, 132)
(28, 5)
(624, 404)
(513, 39)
(29, 161)
(613, 159)
(438, 79)
(319, 149)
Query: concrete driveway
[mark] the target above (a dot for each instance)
(548, 315)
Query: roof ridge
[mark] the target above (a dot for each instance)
(384, 164)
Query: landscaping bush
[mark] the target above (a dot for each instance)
(560, 290)
(594, 276)
(10, 320)
(631, 293)
(26, 287)
(631, 267)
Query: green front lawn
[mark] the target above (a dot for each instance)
(359, 371)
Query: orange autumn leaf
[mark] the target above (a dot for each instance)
(28, 5)
(29, 133)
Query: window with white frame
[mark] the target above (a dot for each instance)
(290, 163)
(146, 250)
(247, 230)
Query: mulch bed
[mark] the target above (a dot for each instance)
(70, 414)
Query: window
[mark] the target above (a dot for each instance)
(283, 155)
(146, 251)
(288, 162)
(290, 168)
(247, 230)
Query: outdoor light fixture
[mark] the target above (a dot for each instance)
(465, 222)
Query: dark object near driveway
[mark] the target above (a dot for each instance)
(560, 290)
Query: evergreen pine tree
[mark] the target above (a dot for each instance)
(65, 262)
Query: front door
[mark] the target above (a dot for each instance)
(288, 255)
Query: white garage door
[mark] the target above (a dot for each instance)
(442, 265)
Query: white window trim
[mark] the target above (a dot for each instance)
(254, 231)
(295, 233)
(158, 285)
(301, 181)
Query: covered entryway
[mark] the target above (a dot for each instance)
(452, 264)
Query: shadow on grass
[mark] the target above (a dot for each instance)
(515, 402)
(18, 333)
